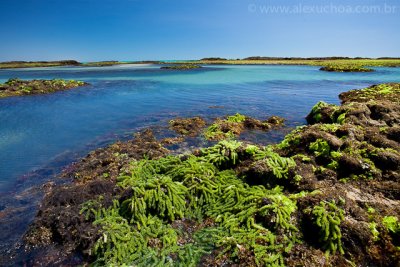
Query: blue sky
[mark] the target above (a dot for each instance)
(190, 29)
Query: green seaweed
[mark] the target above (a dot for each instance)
(152, 192)
(345, 68)
(135, 229)
(374, 231)
(327, 216)
(291, 139)
(223, 153)
(236, 118)
(320, 148)
(391, 223)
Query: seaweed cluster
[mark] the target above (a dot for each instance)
(17, 87)
(232, 126)
(181, 67)
(346, 68)
(247, 220)
(187, 126)
(327, 195)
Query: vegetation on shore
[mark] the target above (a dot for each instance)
(345, 68)
(101, 63)
(342, 64)
(329, 192)
(181, 67)
(328, 64)
(35, 64)
(17, 87)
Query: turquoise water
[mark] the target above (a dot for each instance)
(35, 130)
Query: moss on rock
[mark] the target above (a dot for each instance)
(182, 67)
(17, 87)
(328, 188)
(346, 68)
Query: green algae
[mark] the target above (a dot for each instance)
(159, 192)
(386, 91)
(232, 126)
(391, 223)
(227, 128)
(323, 112)
(17, 87)
(182, 67)
(236, 118)
(36, 64)
(252, 224)
(328, 218)
(251, 205)
(345, 68)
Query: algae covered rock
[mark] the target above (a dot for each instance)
(345, 68)
(17, 87)
(181, 67)
(232, 126)
(327, 195)
(187, 126)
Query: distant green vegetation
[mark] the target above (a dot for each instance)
(101, 63)
(35, 64)
(181, 67)
(17, 87)
(329, 64)
(341, 64)
(345, 68)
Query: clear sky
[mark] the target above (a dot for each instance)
(88, 30)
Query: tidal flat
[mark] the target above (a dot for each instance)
(328, 190)
(265, 193)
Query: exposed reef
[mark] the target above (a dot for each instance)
(233, 126)
(327, 195)
(345, 68)
(187, 126)
(17, 87)
(181, 67)
(108, 162)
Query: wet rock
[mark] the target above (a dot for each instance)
(60, 222)
(187, 126)
(387, 160)
(110, 161)
(350, 165)
(233, 126)
(17, 87)
(346, 164)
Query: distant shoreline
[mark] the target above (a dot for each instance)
(339, 63)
